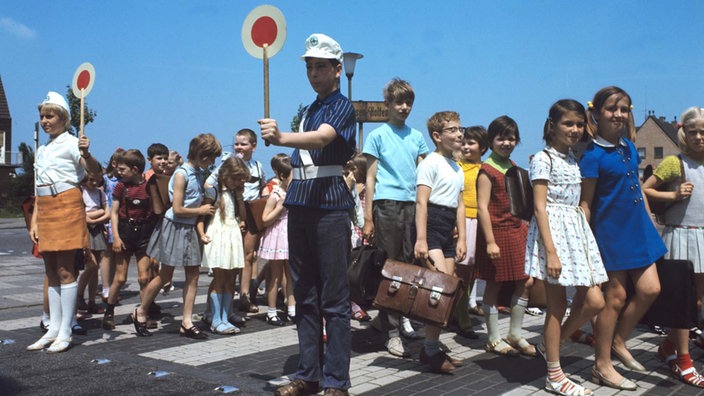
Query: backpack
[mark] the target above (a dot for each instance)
(520, 191)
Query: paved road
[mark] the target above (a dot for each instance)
(119, 362)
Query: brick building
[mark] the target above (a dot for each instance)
(656, 139)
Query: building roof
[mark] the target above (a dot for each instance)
(4, 108)
(669, 128)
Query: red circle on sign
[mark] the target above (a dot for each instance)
(264, 31)
(83, 79)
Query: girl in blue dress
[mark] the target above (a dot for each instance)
(612, 199)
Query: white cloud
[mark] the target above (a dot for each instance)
(18, 29)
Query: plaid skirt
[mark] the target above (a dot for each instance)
(510, 265)
(175, 244)
(61, 222)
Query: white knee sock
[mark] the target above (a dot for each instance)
(518, 310)
(69, 293)
(491, 313)
(54, 294)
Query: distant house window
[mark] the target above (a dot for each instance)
(657, 153)
(641, 152)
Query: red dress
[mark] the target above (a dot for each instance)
(510, 233)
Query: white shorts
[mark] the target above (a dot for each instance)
(470, 226)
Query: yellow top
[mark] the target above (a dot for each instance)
(469, 195)
(669, 169)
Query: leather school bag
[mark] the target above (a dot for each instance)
(520, 191)
(417, 292)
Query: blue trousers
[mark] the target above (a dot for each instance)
(319, 254)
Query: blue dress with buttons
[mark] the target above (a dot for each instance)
(622, 227)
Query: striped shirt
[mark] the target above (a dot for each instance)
(330, 193)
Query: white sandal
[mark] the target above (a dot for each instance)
(60, 345)
(566, 387)
(41, 344)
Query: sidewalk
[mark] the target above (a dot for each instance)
(256, 358)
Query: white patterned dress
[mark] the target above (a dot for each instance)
(570, 231)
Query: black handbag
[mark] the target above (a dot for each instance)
(676, 306)
(365, 273)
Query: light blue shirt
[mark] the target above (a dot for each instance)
(397, 149)
(192, 197)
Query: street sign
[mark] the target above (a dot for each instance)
(370, 111)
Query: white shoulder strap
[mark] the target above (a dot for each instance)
(305, 155)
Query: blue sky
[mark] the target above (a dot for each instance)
(168, 70)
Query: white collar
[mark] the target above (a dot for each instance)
(605, 143)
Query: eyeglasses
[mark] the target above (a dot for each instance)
(454, 129)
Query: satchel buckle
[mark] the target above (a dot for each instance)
(435, 295)
(395, 284)
(413, 291)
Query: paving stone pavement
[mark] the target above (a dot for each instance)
(261, 354)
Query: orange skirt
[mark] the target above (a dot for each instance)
(61, 222)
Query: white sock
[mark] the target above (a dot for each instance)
(291, 310)
(473, 295)
(106, 292)
(45, 318)
(518, 310)
(271, 312)
(491, 313)
(54, 294)
(69, 293)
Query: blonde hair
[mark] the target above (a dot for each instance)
(690, 115)
(59, 111)
(438, 120)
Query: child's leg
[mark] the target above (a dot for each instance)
(84, 280)
(226, 296)
(276, 270)
(122, 263)
(287, 284)
(250, 243)
(464, 321)
(556, 307)
(699, 285)
(190, 289)
(586, 304)
(615, 299)
(214, 298)
(152, 289)
(145, 271)
(93, 281)
(519, 303)
(107, 270)
(647, 288)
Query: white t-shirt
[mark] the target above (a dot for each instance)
(444, 177)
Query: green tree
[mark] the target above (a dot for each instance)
(296, 119)
(74, 104)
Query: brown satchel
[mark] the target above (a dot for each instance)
(254, 215)
(417, 292)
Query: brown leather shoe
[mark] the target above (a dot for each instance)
(336, 392)
(297, 388)
(453, 361)
(438, 363)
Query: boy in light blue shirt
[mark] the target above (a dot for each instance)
(393, 151)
